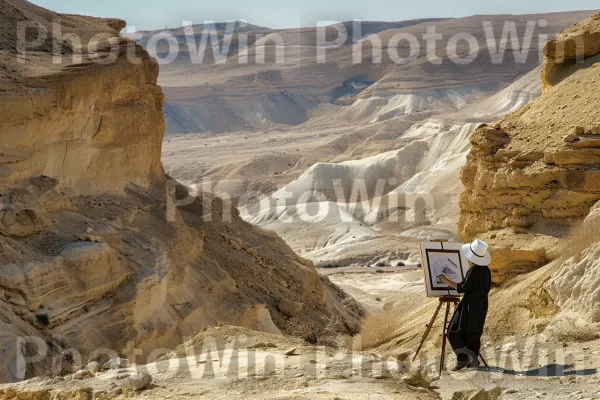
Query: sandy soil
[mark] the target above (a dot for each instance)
(246, 364)
(226, 362)
(532, 367)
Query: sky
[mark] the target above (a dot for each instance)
(153, 14)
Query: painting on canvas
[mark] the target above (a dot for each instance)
(442, 258)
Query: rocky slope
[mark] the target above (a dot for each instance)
(534, 175)
(93, 254)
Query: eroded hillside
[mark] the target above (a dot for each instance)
(93, 253)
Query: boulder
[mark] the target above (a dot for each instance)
(82, 374)
(402, 355)
(415, 378)
(93, 367)
(290, 352)
(116, 363)
(140, 381)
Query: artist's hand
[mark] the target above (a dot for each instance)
(452, 284)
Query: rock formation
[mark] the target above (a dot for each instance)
(534, 175)
(574, 45)
(93, 254)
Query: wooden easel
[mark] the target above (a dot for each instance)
(443, 300)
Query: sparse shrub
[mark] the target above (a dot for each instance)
(330, 335)
(380, 264)
(67, 362)
(401, 264)
(378, 329)
(62, 364)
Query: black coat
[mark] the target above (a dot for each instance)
(470, 315)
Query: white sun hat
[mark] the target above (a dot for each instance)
(477, 252)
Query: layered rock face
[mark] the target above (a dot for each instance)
(90, 119)
(93, 253)
(534, 175)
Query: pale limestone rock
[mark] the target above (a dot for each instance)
(93, 367)
(415, 378)
(116, 363)
(574, 288)
(82, 374)
(140, 381)
(236, 244)
(290, 352)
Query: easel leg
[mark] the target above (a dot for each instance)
(484, 362)
(435, 314)
(444, 338)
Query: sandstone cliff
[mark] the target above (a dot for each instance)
(91, 254)
(534, 175)
(93, 125)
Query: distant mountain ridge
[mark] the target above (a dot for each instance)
(271, 78)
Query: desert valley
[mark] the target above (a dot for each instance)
(240, 216)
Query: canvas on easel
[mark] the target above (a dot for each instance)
(442, 258)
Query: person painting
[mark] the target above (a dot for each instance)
(466, 326)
